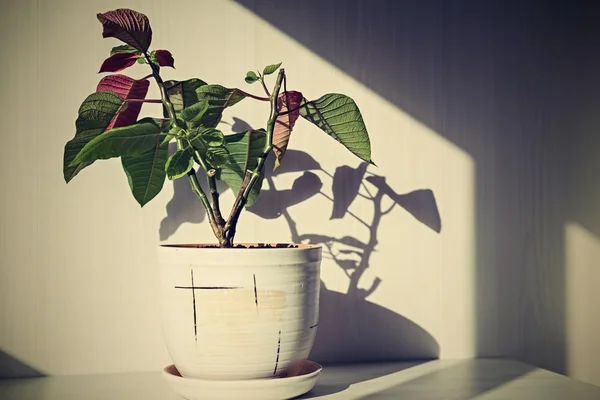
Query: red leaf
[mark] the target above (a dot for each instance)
(128, 89)
(289, 100)
(118, 62)
(164, 58)
(128, 26)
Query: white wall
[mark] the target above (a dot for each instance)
(78, 274)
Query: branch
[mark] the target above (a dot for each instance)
(212, 186)
(202, 196)
(262, 82)
(234, 91)
(216, 227)
(251, 177)
(143, 101)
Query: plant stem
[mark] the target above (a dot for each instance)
(216, 226)
(212, 186)
(202, 196)
(252, 177)
(235, 91)
(143, 101)
(262, 82)
(253, 96)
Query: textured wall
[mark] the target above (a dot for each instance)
(476, 101)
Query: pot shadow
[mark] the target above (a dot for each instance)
(351, 329)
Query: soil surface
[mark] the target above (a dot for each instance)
(243, 246)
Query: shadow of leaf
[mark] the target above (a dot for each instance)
(274, 202)
(346, 183)
(295, 161)
(420, 203)
(240, 125)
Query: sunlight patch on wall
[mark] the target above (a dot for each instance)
(422, 275)
(582, 266)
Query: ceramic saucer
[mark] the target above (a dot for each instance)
(252, 389)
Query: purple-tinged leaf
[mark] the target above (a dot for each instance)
(287, 101)
(164, 58)
(118, 62)
(128, 89)
(128, 26)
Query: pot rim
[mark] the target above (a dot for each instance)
(246, 246)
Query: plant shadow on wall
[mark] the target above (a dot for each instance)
(351, 329)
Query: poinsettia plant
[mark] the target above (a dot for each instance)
(107, 126)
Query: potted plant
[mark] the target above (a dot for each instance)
(230, 310)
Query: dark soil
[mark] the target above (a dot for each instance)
(243, 246)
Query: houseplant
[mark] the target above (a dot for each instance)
(230, 310)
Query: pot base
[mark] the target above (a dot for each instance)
(281, 388)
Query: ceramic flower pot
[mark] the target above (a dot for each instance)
(239, 313)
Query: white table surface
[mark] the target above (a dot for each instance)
(481, 379)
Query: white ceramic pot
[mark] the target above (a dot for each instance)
(239, 313)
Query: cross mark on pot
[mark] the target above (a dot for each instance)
(193, 288)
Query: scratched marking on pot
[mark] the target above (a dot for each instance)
(193, 288)
(255, 293)
(278, 351)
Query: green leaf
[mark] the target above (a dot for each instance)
(233, 172)
(192, 115)
(339, 117)
(124, 49)
(209, 142)
(251, 77)
(132, 140)
(187, 93)
(95, 115)
(179, 163)
(153, 59)
(183, 94)
(269, 69)
(219, 98)
(146, 172)
(173, 132)
(213, 137)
